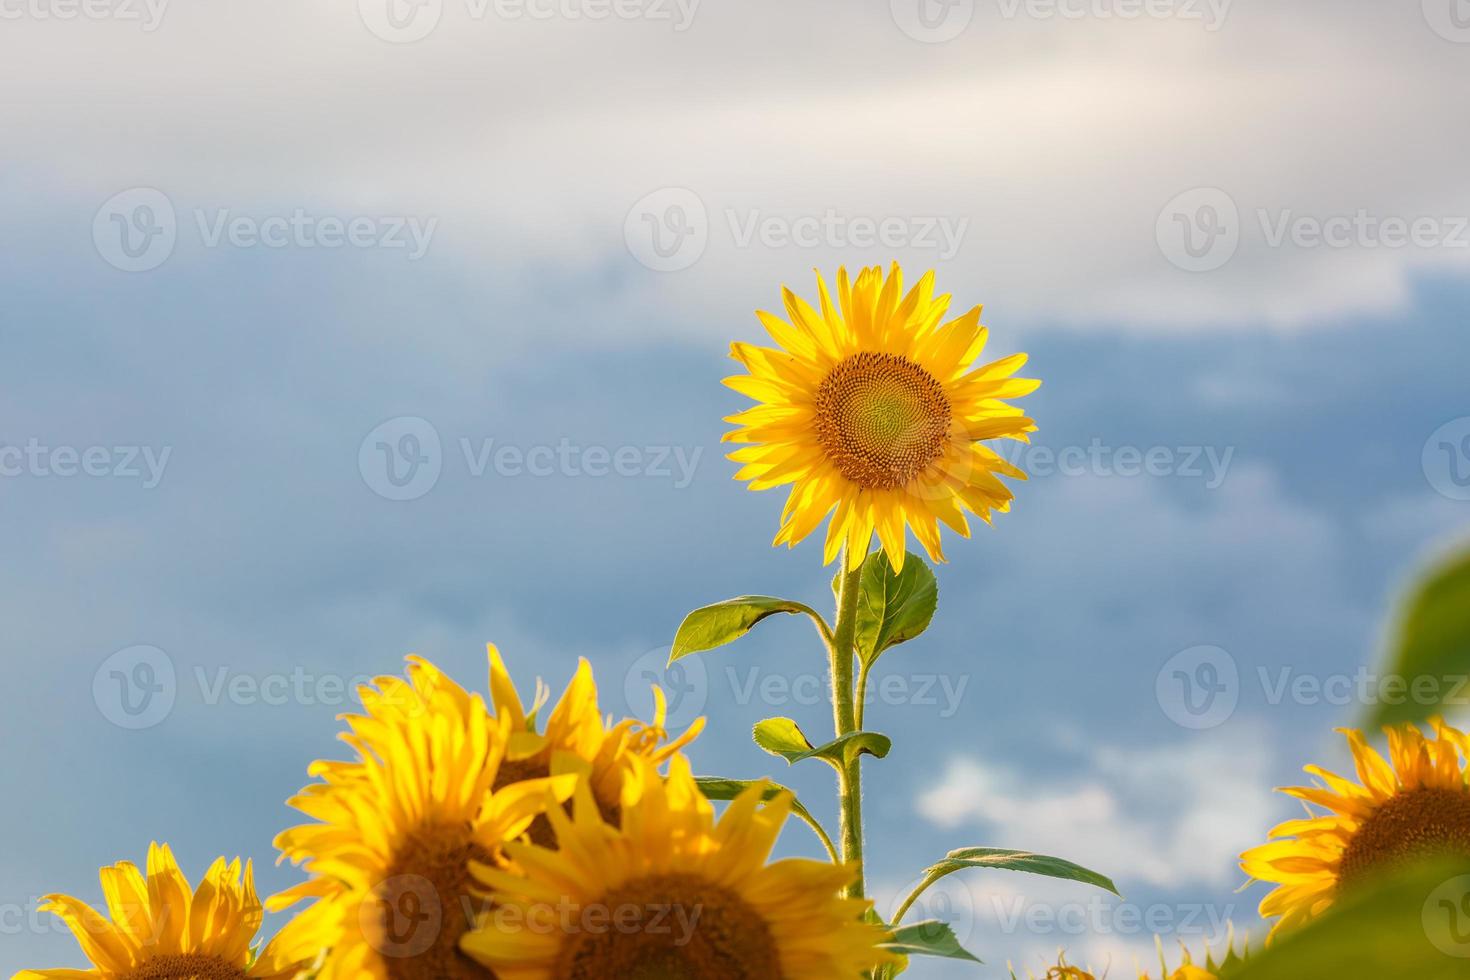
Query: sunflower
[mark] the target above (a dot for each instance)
(671, 894)
(576, 739)
(873, 411)
(1419, 806)
(396, 830)
(1187, 970)
(161, 929)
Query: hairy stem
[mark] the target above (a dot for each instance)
(844, 719)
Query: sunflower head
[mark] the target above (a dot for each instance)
(670, 893)
(161, 929)
(395, 830)
(1413, 805)
(872, 409)
(577, 739)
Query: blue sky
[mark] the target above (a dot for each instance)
(1029, 716)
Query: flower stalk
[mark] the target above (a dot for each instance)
(845, 720)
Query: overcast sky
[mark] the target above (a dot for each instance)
(249, 245)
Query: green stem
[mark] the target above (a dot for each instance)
(844, 718)
(913, 897)
(862, 694)
(821, 833)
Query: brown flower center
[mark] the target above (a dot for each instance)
(881, 419)
(424, 903)
(185, 966)
(668, 927)
(1418, 824)
(539, 767)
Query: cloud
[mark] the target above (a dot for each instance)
(1167, 816)
(1051, 144)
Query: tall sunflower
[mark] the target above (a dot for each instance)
(161, 929)
(671, 894)
(1417, 806)
(874, 411)
(576, 738)
(397, 828)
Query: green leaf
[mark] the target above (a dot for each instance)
(893, 608)
(720, 788)
(929, 938)
(1430, 647)
(714, 626)
(783, 737)
(1415, 923)
(1007, 860)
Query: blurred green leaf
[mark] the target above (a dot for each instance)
(1429, 652)
(1414, 924)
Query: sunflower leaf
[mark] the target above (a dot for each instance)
(724, 622)
(1008, 860)
(893, 607)
(781, 736)
(1429, 653)
(929, 938)
(721, 788)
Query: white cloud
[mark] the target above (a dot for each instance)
(1167, 815)
(1057, 141)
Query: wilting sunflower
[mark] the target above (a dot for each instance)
(161, 929)
(397, 828)
(874, 411)
(671, 894)
(577, 739)
(1417, 807)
